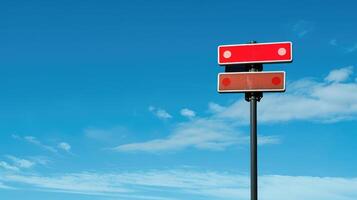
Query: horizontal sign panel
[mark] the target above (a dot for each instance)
(252, 82)
(277, 52)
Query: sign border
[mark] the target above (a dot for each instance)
(254, 90)
(250, 44)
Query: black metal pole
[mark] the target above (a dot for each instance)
(253, 98)
(253, 148)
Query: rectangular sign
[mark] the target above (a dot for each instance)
(276, 52)
(273, 81)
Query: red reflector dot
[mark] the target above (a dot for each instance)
(276, 80)
(226, 81)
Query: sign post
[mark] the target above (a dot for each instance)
(243, 73)
(253, 98)
(253, 147)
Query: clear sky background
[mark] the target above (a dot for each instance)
(112, 100)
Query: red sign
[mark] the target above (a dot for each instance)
(251, 82)
(255, 53)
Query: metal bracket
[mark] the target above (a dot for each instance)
(256, 95)
(253, 95)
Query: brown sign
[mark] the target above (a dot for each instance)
(273, 81)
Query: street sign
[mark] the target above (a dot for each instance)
(266, 81)
(249, 58)
(276, 52)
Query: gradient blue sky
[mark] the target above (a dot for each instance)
(117, 100)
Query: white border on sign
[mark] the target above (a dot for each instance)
(267, 61)
(253, 90)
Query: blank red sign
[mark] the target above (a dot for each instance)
(277, 52)
(251, 82)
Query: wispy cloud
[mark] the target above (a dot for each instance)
(64, 146)
(215, 108)
(7, 166)
(106, 135)
(202, 133)
(343, 46)
(3, 186)
(21, 163)
(188, 113)
(13, 163)
(352, 49)
(270, 139)
(84, 183)
(339, 75)
(33, 140)
(333, 42)
(302, 28)
(196, 184)
(40, 160)
(160, 113)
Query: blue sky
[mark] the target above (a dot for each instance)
(117, 100)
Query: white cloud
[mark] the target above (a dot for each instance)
(305, 100)
(333, 42)
(352, 49)
(163, 114)
(339, 75)
(302, 27)
(64, 146)
(3, 186)
(291, 187)
(35, 141)
(196, 184)
(106, 135)
(271, 139)
(160, 113)
(202, 133)
(21, 163)
(214, 107)
(84, 183)
(40, 160)
(7, 166)
(17, 164)
(348, 49)
(187, 113)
